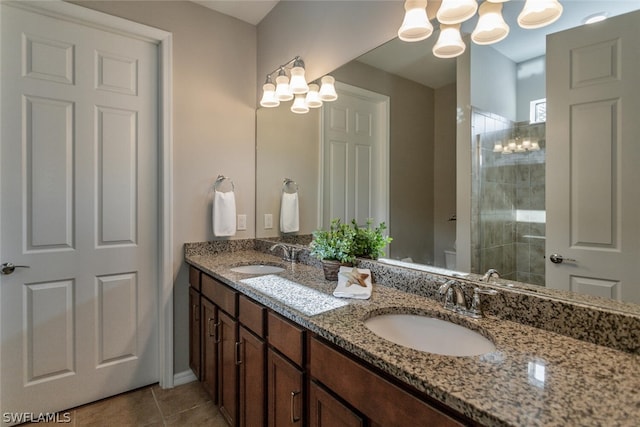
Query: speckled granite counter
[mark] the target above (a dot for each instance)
(534, 378)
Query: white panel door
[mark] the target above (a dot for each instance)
(79, 206)
(593, 159)
(355, 158)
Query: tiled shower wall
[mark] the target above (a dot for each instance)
(508, 199)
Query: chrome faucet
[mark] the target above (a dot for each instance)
(288, 254)
(456, 300)
(492, 272)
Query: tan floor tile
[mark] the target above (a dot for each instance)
(206, 414)
(175, 400)
(135, 408)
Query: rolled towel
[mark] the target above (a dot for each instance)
(289, 213)
(353, 290)
(224, 214)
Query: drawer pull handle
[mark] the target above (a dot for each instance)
(237, 356)
(217, 334)
(211, 331)
(294, 419)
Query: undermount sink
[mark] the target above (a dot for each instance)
(429, 334)
(257, 269)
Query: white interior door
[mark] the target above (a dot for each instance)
(593, 158)
(79, 207)
(355, 162)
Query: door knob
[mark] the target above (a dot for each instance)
(8, 267)
(558, 259)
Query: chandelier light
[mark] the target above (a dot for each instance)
(491, 26)
(291, 84)
(416, 25)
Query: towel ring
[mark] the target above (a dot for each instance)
(289, 186)
(220, 180)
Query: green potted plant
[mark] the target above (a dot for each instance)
(334, 247)
(370, 242)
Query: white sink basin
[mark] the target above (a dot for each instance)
(257, 269)
(429, 334)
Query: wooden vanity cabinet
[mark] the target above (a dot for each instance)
(327, 411)
(381, 401)
(252, 349)
(194, 332)
(210, 328)
(286, 395)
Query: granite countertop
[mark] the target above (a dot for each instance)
(533, 378)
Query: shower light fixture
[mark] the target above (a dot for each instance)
(293, 85)
(491, 27)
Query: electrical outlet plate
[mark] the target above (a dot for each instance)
(268, 221)
(242, 222)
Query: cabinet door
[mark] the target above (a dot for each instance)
(228, 368)
(194, 332)
(327, 411)
(210, 327)
(285, 396)
(252, 378)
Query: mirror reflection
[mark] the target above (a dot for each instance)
(508, 146)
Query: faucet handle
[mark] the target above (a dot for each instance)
(476, 303)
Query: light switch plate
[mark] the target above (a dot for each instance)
(268, 221)
(242, 222)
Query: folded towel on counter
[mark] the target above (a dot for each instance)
(224, 214)
(289, 213)
(350, 281)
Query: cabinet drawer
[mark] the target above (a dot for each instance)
(251, 314)
(220, 294)
(383, 402)
(194, 278)
(286, 337)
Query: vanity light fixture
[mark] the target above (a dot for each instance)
(491, 26)
(538, 13)
(517, 146)
(449, 44)
(293, 85)
(456, 11)
(416, 25)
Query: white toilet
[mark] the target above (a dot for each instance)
(450, 260)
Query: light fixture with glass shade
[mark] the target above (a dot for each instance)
(269, 99)
(313, 97)
(298, 84)
(283, 90)
(416, 25)
(538, 13)
(449, 44)
(299, 105)
(491, 27)
(291, 83)
(328, 89)
(456, 11)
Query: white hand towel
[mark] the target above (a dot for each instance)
(289, 213)
(354, 290)
(224, 213)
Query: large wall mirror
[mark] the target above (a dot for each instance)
(422, 95)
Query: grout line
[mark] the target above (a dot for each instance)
(155, 399)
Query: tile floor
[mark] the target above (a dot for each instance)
(185, 405)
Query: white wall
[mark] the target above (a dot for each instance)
(214, 66)
(493, 81)
(531, 85)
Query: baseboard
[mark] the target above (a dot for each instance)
(184, 377)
